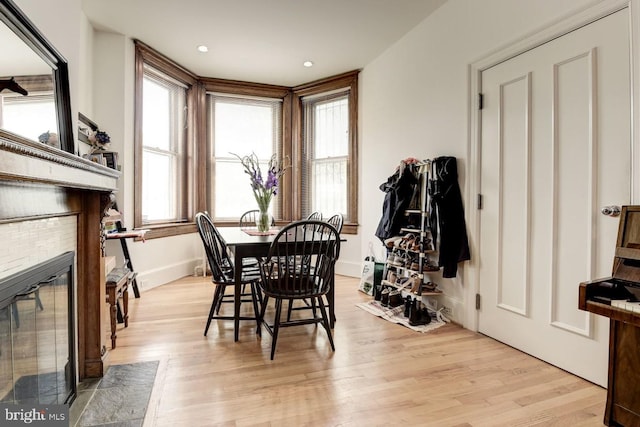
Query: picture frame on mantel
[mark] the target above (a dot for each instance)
(86, 126)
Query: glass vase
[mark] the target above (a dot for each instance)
(263, 220)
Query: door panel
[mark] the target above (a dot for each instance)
(555, 149)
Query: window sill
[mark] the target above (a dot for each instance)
(168, 230)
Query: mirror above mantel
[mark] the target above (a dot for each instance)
(34, 84)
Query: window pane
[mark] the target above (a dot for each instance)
(329, 186)
(232, 200)
(331, 137)
(325, 180)
(156, 115)
(241, 126)
(163, 141)
(158, 195)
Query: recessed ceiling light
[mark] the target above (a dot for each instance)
(307, 64)
(203, 48)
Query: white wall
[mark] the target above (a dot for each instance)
(414, 97)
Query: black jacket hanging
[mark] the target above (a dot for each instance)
(400, 188)
(448, 212)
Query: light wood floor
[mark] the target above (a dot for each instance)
(380, 373)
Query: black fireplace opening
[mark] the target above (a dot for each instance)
(37, 346)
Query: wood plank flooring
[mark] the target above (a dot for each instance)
(380, 374)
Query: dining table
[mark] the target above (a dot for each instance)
(250, 243)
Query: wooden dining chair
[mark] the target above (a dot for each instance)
(299, 265)
(222, 272)
(315, 216)
(248, 219)
(337, 221)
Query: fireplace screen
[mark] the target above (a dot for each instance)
(37, 360)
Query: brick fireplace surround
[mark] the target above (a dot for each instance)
(50, 202)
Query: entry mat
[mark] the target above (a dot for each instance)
(121, 397)
(396, 315)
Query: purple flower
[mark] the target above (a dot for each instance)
(272, 181)
(102, 137)
(262, 191)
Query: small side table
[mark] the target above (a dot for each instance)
(117, 283)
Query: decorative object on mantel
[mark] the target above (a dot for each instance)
(50, 139)
(263, 191)
(85, 128)
(99, 140)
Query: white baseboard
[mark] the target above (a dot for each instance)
(153, 278)
(346, 268)
(157, 277)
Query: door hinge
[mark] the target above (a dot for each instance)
(479, 204)
(477, 301)
(480, 101)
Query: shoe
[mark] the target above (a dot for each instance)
(377, 292)
(392, 277)
(407, 306)
(414, 314)
(429, 287)
(407, 241)
(422, 317)
(391, 241)
(403, 282)
(397, 260)
(395, 299)
(384, 297)
(415, 266)
(430, 267)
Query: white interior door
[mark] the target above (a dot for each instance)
(555, 149)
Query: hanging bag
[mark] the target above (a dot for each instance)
(372, 270)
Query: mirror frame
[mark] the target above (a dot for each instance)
(17, 21)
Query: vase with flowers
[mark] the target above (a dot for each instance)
(99, 140)
(264, 188)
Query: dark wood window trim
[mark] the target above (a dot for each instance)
(348, 81)
(198, 150)
(239, 88)
(191, 200)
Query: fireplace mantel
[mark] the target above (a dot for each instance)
(32, 162)
(37, 181)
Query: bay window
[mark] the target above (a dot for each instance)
(189, 129)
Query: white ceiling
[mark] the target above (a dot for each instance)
(264, 41)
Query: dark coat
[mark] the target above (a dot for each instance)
(448, 213)
(400, 188)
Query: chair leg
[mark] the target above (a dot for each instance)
(264, 307)
(289, 310)
(276, 327)
(214, 303)
(325, 322)
(256, 311)
(219, 304)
